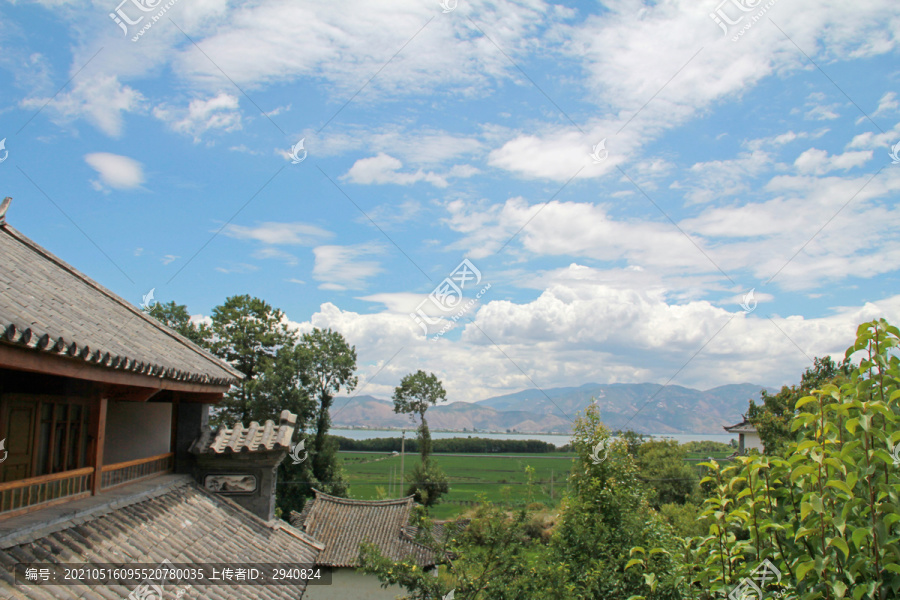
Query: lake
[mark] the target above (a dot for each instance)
(555, 439)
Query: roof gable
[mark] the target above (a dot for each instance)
(341, 524)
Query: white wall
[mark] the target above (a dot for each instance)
(348, 584)
(136, 430)
(752, 441)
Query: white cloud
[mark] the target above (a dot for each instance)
(275, 233)
(169, 259)
(386, 169)
(201, 116)
(118, 172)
(819, 162)
(100, 99)
(887, 103)
(585, 331)
(345, 267)
(277, 254)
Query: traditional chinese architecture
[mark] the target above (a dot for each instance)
(342, 524)
(103, 423)
(748, 437)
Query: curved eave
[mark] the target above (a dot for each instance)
(92, 367)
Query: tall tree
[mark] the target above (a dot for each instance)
(177, 317)
(248, 333)
(416, 392)
(329, 365)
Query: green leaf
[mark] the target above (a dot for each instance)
(804, 401)
(836, 483)
(804, 568)
(859, 534)
(632, 562)
(841, 545)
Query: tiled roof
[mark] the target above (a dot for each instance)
(341, 524)
(250, 439)
(183, 524)
(48, 306)
(744, 426)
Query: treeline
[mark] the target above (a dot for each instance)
(468, 445)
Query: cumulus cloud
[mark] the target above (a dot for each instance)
(819, 162)
(586, 331)
(115, 171)
(386, 169)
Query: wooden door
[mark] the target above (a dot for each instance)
(18, 435)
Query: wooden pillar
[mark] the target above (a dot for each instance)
(173, 434)
(98, 437)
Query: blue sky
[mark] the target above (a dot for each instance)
(437, 133)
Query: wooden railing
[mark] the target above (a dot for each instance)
(126, 472)
(21, 496)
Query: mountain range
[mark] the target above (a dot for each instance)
(643, 407)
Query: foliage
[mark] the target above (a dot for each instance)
(685, 519)
(606, 513)
(416, 392)
(247, 333)
(772, 419)
(661, 464)
(632, 439)
(492, 557)
(706, 447)
(824, 511)
(328, 366)
(177, 317)
(427, 482)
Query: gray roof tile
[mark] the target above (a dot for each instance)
(184, 525)
(48, 306)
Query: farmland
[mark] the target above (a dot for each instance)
(500, 479)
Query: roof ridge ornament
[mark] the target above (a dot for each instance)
(4, 206)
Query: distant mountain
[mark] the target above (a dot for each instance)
(643, 407)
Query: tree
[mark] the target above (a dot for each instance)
(662, 465)
(328, 366)
(177, 317)
(773, 417)
(247, 333)
(416, 392)
(823, 511)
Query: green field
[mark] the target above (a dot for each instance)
(500, 479)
